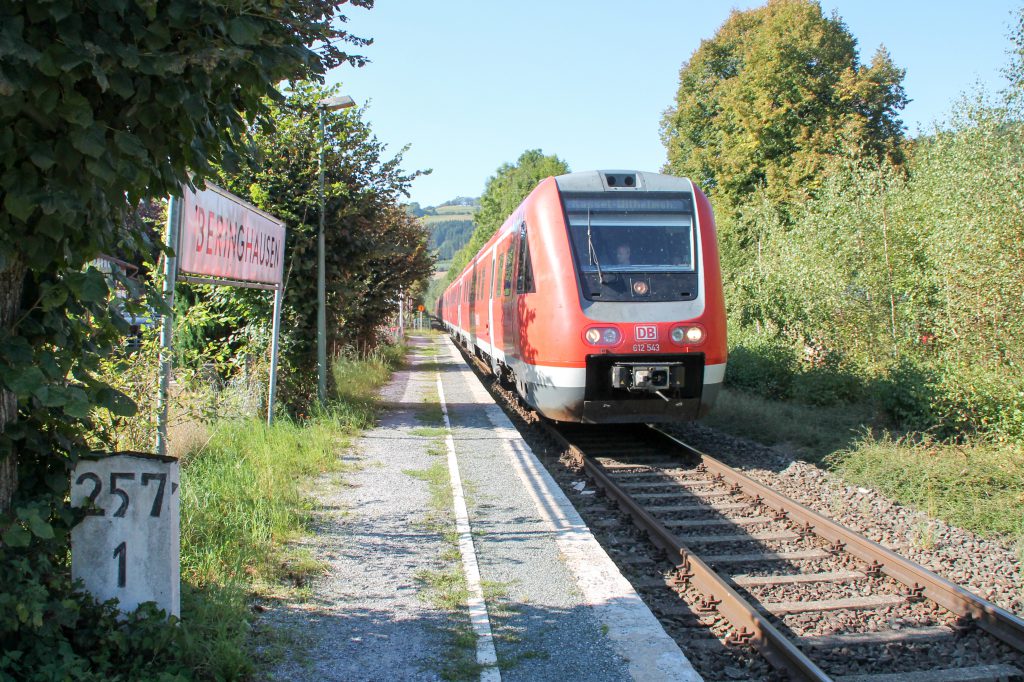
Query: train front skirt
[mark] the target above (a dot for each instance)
(597, 394)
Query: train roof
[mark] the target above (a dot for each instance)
(621, 181)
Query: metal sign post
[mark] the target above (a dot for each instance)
(274, 341)
(167, 330)
(401, 315)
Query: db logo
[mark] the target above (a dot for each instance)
(646, 332)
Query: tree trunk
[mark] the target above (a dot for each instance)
(11, 281)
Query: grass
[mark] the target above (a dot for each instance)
(976, 485)
(439, 519)
(446, 589)
(243, 497)
(244, 500)
(429, 432)
(814, 431)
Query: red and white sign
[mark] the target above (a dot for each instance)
(646, 332)
(223, 236)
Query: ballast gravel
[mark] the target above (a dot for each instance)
(985, 566)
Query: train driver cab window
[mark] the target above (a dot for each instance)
(646, 233)
(524, 277)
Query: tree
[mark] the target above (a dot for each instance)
(102, 105)
(774, 96)
(504, 191)
(373, 247)
(100, 102)
(1015, 70)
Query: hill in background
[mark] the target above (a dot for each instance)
(450, 224)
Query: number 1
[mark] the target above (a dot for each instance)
(121, 554)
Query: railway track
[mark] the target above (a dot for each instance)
(733, 567)
(816, 600)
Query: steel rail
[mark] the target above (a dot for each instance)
(920, 581)
(750, 625)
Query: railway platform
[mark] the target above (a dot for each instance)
(546, 602)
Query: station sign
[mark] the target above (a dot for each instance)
(225, 237)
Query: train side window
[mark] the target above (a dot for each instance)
(496, 278)
(524, 277)
(509, 269)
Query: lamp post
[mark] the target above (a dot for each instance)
(327, 104)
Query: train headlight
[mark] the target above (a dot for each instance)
(691, 335)
(603, 336)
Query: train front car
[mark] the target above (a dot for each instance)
(628, 320)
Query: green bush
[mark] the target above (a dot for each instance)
(978, 399)
(825, 385)
(52, 631)
(763, 365)
(906, 395)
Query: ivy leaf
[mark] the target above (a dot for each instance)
(101, 77)
(40, 528)
(77, 404)
(90, 141)
(42, 157)
(75, 109)
(24, 381)
(88, 286)
(50, 396)
(129, 144)
(16, 536)
(19, 206)
(16, 350)
(244, 31)
(53, 297)
(117, 402)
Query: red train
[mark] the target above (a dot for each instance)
(600, 298)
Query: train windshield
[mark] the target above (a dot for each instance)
(616, 234)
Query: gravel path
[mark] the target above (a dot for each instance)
(365, 620)
(987, 567)
(367, 617)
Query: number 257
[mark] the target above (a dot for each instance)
(121, 493)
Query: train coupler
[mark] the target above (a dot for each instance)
(642, 376)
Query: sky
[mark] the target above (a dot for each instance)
(470, 85)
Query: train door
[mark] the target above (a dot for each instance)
(483, 326)
(471, 283)
(509, 314)
(523, 284)
(490, 303)
(458, 306)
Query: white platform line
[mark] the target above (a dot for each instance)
(485, 653)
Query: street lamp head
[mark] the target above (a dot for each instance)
(335, 103)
